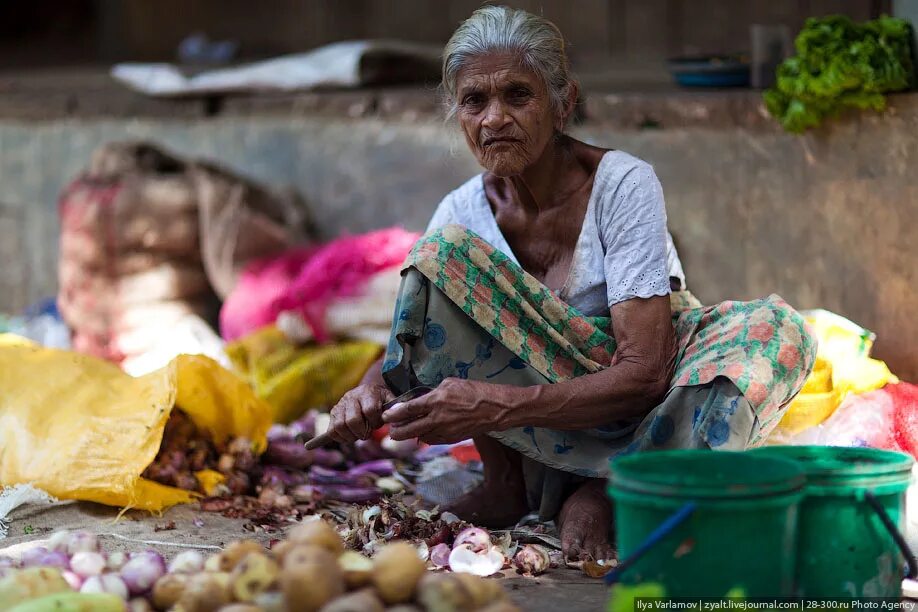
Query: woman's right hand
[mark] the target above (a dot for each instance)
(358, 413)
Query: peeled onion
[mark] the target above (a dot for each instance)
(485, 563)
(86, 564)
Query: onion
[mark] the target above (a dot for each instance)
(72, 579)
(380, 467)
(82, 541)
(139, 604)
(288, 453)
(485, 563)
(55, 559)
(87, 564)
(400, 448)
(439, 555)
(476, 538)
(59, 541)
(187, 562)
(532, 560)
(142, 572)
(116, 560)
(6, 562)
(275, 475)
(348, 493)
(327, 457)
(31, 557)
(108, 583)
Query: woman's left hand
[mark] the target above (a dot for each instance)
(456, 410)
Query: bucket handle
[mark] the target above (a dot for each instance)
(904, 548)
(671, 522)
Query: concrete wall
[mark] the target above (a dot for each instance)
(826, 220)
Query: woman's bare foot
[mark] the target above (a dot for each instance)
(585, 522)
(499, 501)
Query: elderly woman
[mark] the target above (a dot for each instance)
(546, 305)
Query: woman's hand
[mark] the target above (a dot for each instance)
(456, 410)
(358, 413)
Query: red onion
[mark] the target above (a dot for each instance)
(82, 541)
(275, 475)
(55, 559)
(327, 457)
(323, 475)
(32, 556)
(87, 564)
(187, 562)
(6, 562)
(369, 450)
(72, 579)
(108, 583)
(142, 572)
(290, 454)
(348, 493)
(475, 538)
(380, 467)
(439, 555)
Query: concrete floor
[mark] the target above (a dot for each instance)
(562, 589)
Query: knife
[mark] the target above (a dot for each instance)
(416, 392)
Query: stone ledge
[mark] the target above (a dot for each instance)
(94, 95)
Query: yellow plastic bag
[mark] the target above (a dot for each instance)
(295, 378)
(78, 427)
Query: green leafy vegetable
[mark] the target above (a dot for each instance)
(841, 64)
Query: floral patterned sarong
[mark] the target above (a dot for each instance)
(466, 310)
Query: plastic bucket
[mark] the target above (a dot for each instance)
(844, 549)
(737, 532)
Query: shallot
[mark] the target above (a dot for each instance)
(86, 564)
(107, 583)
(288, 453)
(142, 572)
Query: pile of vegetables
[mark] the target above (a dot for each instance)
(841, 64)
(186, 451)
(309, 571)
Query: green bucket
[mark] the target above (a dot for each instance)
(705, 524)
(844, 548)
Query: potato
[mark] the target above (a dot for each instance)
(308, 583)
(254, 574)
(396, 572)
(299, 555)
(359, 601)
(234, 553)
(358, 570)
(501, 606)
(457, 592)
(30, 583)
(280, 550)
(168, 590)
(205, 593)
(317, 533)
(270, 601)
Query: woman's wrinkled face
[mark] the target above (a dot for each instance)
(505, 113)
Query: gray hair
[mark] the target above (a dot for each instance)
(490, 29)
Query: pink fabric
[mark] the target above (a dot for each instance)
(308, 280)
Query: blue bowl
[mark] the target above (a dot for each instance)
(710, 71)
